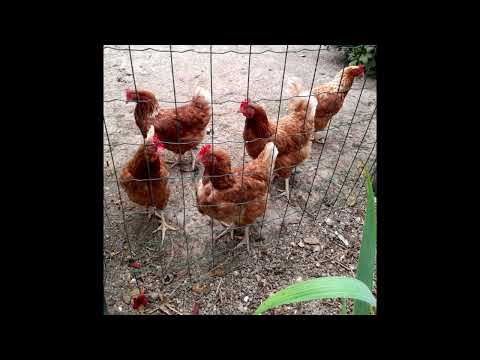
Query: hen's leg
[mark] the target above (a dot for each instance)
(193, 160)
(287, 189)
(164, 225)
(224, 224)
(177, 162)
(317, 138)
(246, 239)
(228, 229)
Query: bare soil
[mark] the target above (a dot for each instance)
(221, 281)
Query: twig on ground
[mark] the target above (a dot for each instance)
(218, 287)
(339, 263)
(152, 311)
(173, 309)
(173, 292)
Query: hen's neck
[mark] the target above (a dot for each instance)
(141, 167)
(346, 81)
(259, 125)
(145, 113)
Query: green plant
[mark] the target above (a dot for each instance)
(361, 54)
(358, 289)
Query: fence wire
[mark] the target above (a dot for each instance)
(217, 256)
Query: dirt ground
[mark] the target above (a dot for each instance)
(186, 269)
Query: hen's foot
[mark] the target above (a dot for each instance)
(229, 228)
(164, 225)
(245, 241)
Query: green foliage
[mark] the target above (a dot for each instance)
(358, 289)
(361, 54)
(320, 288)
(368, 253)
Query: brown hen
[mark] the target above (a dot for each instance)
(134, 178)
(223, 196)
(188, 128)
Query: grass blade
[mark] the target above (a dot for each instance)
(320, 288)
(366, 259)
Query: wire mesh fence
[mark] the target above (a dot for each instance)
(329, 181)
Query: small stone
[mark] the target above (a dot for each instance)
(329, 221)
(258, 277)
(120, 308)
(132, 281)
(342, 239)
(301, 244)
(312, 241)
(298, 279)
(317, 248)
(235, 273)
(317, 264)
(154, 295)
(358, 220)
(292, 243)
(246, 298)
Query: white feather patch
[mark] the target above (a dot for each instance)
(199, 91)
(150, 132)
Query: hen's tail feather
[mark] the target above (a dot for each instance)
(312, 104)
(294, 86)
(269, 155)
(201, 92)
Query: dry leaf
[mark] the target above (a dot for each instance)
(200, 289)
(219, 271)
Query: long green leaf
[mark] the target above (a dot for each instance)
(366, 259)
(320, 288)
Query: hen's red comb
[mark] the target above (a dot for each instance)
(244, 103)
(130, 94)
(204, 149)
